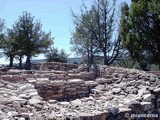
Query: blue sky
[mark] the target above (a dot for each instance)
(55, 16)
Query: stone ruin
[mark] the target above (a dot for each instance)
(59, 91)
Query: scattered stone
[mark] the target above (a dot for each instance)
(104, 81)
(58, 82)
(134, 91)
(52, 116)
(76, 102)
(34, 101)
(116, 90)
(76, 94)
(157, 90)
(147, 97)
(114, 110)
(75, 81)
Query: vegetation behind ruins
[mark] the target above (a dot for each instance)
(129, 39)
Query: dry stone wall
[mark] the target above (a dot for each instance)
(65, 90)
(115, 93)
(54, 66)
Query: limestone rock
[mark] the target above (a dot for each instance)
(76, 102)
(147, 97)
(63, 92)
(34, 101)
(58, 82)
(91, 83)
(52, 116)
(157, 90)
(104, 81)
(114, 110)
(75, 81)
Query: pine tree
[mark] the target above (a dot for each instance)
(29, 37)
(140, 33)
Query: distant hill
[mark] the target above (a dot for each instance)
(74, 60)
(69, 60)
(38, 60)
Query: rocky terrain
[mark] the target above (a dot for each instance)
(53, 93)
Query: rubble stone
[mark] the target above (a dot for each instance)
(56, 92)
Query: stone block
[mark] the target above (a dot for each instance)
(82, 92)
(78, 87)
(70, 94)
(136, 106)
(53, 77)
(91, 83)
(67, 85)
(77, 102)
(42, 79)
(57, 96)
(34, 101)
(94, 116)
(54, 66)
(31, 80)
(87, 75)
(157, 90)
(84, 85)
(74, 76)
(61, 77)
(51, 92)
(75, 81)
(84, 88)
(58, 83)
(71, 89)
(104, 81)
(67, 77)
(12, 78)
(60, 91)
(147, 97)
(146, 105)
(107, 76)
(74, 84)
(61, 87)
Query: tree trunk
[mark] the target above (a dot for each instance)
(28, 62)
(91, 51)
(88, 60)
(11, 61)
(105, 38)
(20, 61)
(105, 58)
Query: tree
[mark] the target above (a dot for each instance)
(94, 30)
(29, 37)
(63, 56)
(82, 39)
(140, 34)
(1, 32)
(54, 55)
(6, 43)
(108, 45)
(9, 47)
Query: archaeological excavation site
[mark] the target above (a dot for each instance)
(61, 91)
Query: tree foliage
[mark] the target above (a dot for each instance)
(6, 43)
(82, 39)
(94, 30)
(140, 33)
(9, 47)
(28, 37)
(2, 27)
(54, 55)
